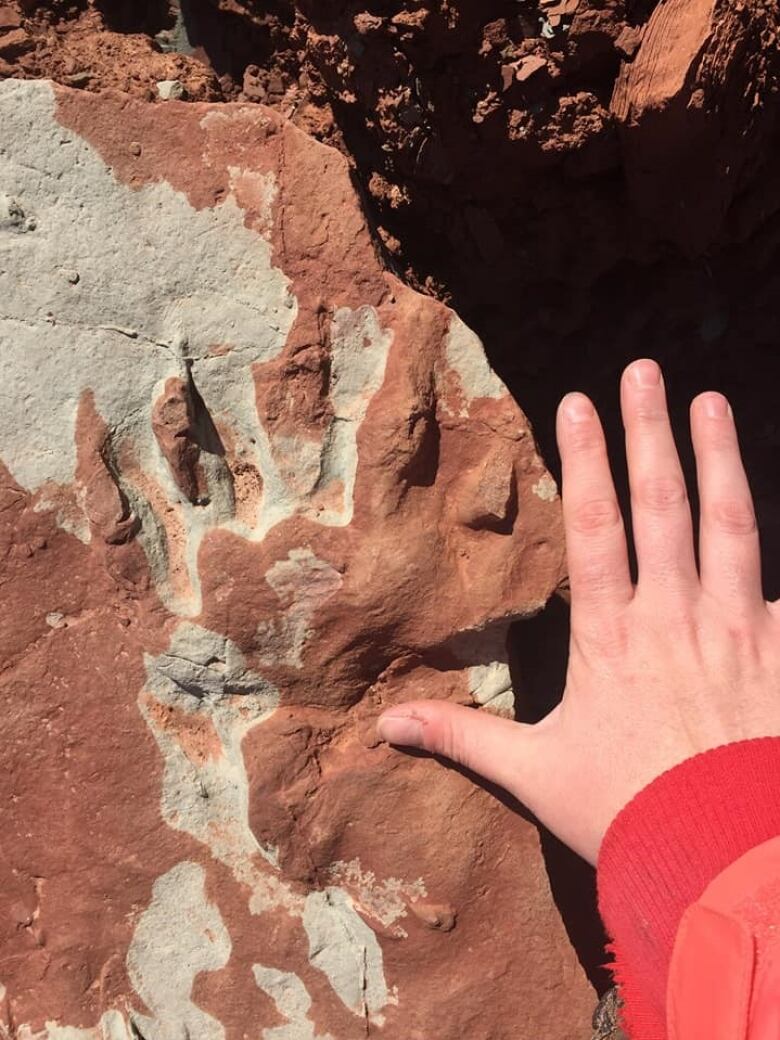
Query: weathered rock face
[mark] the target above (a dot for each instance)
(584, 180)
(253, 491)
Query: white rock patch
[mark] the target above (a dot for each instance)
(545, 488)
(465, 357)
(116, 290)
(359, 349)
(343, 947)
(179, 935)
(204, 674)
(159, 284)
(292, 1001)
(385, 900)
(112, 1026)
(302, 582)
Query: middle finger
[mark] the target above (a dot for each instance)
(663, 532)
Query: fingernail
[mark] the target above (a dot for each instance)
(645, 373)
(716, 406)
(400, 729)
(577, 407)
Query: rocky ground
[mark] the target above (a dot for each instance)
(585, 181)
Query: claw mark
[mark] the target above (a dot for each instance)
(130, 333)
(107, 508)
(186, 434)
(135, 1032)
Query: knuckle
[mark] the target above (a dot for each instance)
(584, 437)
(743, 634)
(442, 737)
(661, 494)
(436, 735)
(733, 516)
(648, 410)
(596, 516)
(720, 437)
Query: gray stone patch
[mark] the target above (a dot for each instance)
(346, 950)
(179, 935)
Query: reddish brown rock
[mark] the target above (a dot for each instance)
(99, 45)
(695, 107)
(173, 422)
(254, 490)
(10, 17)
(513, 203)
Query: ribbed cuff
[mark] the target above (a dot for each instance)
(663, 849)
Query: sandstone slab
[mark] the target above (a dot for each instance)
(252, 490)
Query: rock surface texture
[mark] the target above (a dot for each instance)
(584, 180)
(253, 489)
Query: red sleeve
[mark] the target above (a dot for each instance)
(724, 976)
(663, 850)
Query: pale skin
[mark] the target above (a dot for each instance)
(685, 660)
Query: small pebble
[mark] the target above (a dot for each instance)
(170, 89)
(439, 916)
(78, 79)
(11, 213)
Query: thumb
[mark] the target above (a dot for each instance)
(506, 753)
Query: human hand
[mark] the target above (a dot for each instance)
(686, 660)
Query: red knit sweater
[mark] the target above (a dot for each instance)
(662, 851)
